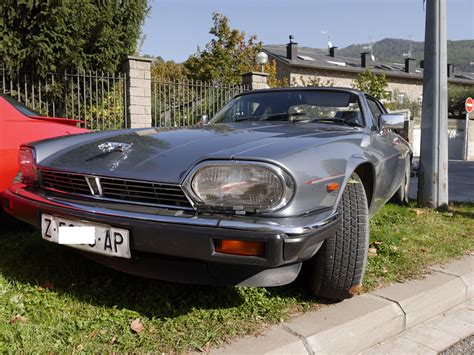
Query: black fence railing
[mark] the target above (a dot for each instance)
(180, 103)
(99, 99)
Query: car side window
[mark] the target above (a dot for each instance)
(381, 106)
(375, 109)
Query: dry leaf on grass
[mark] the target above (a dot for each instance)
(45, 286)
(372, 252)
(205, 348)
(136, 326)
(354, 290)
(93, 334)
(17, 319)
(419, 211)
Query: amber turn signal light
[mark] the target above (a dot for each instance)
(240, 247)
(333, 186)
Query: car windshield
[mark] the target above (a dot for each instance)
(20, 107)
(295, 106)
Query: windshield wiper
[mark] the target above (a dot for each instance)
(273, 117)
(284, 116)
(248, 118)
(337, 120)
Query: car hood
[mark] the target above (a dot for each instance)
(167, 154)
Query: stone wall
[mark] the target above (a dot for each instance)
(412, 88)
(138, 92)
(255, 80)
(458, 148)
(470, 144)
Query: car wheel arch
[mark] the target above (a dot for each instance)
(366, 173)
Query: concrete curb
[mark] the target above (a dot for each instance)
(363, 321)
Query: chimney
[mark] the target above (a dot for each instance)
(292, 49)
(365, 59)
(332, 51)
(410, 65)
(450, 70)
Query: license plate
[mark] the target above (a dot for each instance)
(106, 240)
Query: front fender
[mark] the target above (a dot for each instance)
(314, 169)
(356, 161)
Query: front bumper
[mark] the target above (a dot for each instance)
(180, 248)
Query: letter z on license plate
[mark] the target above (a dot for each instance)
(91, 237)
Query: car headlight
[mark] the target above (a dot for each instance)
(240, 186)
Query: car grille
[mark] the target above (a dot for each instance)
(131, 191)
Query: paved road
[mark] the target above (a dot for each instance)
(460, 181)
(465, 346)
(434, 335)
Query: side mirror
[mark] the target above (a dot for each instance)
(203, 119)
(392, 121)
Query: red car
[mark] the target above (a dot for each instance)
(18, 125)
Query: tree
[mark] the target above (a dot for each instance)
(56, 35)
(226, 56)
(372, 84)
(271, 69)
(168, 70)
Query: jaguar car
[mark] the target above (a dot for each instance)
(279, 180)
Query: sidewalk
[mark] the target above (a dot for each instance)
(358, 324)
(432, 336)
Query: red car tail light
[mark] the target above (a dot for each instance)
(27, 163)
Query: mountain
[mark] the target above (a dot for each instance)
(460, 53)
(391, 50)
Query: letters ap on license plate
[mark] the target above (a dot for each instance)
(108, 240)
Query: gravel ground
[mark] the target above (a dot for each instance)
(465, 346)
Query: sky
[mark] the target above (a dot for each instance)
(175, 28)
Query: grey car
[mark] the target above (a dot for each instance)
(278, 179)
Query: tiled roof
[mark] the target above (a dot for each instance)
(308, 58)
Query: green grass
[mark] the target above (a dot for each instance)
(51, 299)
(407, 240)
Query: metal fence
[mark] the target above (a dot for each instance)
(180, 103)
(99, 99)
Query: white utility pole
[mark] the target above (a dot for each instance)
(433, 176)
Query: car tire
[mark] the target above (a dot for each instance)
(337, 269)
(401, 196)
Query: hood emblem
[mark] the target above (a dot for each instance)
(108, 147)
